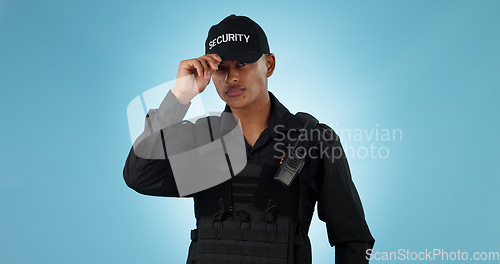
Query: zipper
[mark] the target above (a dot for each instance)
(231, 173)
(231, 194)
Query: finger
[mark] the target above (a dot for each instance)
(196, 65)
(212, 62)
(203, 63)
(215, 56)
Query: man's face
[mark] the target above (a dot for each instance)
(243, 84)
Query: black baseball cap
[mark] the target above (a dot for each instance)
(237, 38)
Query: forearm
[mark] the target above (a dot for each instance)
(149, 177)
(352, 253)
(150, 144)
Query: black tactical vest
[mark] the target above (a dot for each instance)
(262, 232)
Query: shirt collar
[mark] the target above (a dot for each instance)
(280, 119)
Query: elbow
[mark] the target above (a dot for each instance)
(131, 175)
(130, 179)
(157, 183)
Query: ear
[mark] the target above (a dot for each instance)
(270, 64)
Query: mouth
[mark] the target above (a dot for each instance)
(234, 91)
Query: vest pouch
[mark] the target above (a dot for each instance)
(234, 242)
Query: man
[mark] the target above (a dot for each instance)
(261, 213)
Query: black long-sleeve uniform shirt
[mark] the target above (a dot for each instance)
(326, 174)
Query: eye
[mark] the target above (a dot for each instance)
(242, 64)
(221, 68)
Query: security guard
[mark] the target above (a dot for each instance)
(263, 212)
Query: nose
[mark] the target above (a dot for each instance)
(232, 75)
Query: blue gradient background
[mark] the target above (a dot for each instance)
(68, 70)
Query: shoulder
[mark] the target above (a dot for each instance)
(315, 130)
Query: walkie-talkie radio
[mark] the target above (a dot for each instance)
(292, 164)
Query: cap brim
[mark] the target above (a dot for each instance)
(248, 56)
